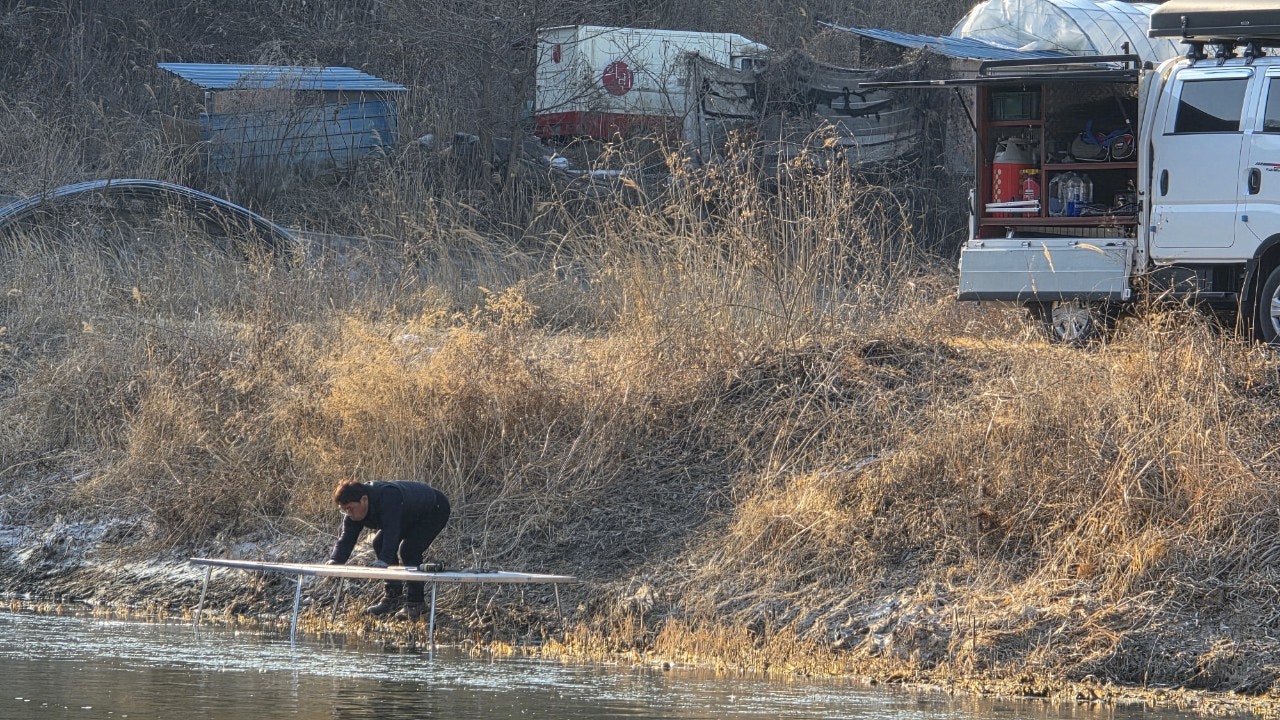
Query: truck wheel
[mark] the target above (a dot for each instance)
(1269, 309)
(1073, 322)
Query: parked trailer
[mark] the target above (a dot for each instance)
(1183, 161)
(600, 81)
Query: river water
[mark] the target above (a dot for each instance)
(57, 666)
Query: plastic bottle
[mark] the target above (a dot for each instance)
(1063, 181)
(1054, 194)
(1086, 195)
(1074, 189)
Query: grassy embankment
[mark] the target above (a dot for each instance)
(759, 429)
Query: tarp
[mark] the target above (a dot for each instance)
(1074, 27)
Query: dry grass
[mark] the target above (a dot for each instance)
(745, 409)
(754, 421)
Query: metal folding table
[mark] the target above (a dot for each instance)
(342, 572)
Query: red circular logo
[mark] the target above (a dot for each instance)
(618, 78)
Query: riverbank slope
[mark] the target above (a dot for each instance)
(738, 401)
(743, 473)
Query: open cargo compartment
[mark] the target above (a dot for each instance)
(1210, 20)
(1069, 117)
(1078, 125)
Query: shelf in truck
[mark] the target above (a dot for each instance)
(1055, 167)
(1083, 220)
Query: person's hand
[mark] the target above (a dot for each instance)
(331, 561)
(377, 564)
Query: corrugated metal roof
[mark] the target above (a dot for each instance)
(961, 48)
(217, 76)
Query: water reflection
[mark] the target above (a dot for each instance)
(60, 666)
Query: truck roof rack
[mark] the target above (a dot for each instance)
(1091, 62)
(1223, 50)
(1069, 68)
(1126, 75)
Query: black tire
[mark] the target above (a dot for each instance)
(1074, 322)
(1268, 309)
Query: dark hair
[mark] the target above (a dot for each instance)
(349, 491)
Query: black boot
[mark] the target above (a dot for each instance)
(388, 604)
(412, 611)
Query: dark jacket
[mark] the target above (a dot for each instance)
(394, 508)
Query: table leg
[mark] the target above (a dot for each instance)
(431, 626)
(297, 601)
(564, 627)
(204, 587)
(336, 601)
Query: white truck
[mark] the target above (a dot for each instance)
(1182, 160)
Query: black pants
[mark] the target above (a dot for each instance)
(417, 538)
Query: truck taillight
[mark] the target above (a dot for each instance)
(555, 53)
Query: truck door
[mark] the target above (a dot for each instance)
(1197, 164)
(1260, 205)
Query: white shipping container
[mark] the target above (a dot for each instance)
(599, 80)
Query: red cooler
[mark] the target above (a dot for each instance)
(1013, 155)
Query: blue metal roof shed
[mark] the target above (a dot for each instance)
(271, 117)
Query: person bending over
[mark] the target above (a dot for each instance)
(407, 517)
